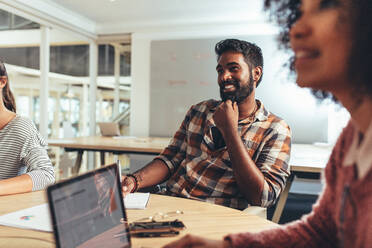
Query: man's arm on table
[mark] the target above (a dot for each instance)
(153, 173)
(159, 170)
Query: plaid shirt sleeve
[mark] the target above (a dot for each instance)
(175, 152)
(273, 162)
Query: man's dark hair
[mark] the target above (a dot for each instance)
(286, 13)
(251, 52)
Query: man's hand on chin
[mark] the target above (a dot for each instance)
(226, 117)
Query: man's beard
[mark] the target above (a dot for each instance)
(240, 93)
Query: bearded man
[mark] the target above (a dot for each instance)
(231, 152)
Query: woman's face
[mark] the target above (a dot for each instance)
(321, 40)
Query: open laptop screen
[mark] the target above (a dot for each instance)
(109, 128)
(88, 210)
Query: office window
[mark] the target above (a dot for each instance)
(70, 113)
(9, 21)
(69, 60)
(65, 111)
(23, 106)
(123, 106)
(104, 110)
(51, 111)
(4, 20)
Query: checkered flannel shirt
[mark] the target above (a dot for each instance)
(199, 171)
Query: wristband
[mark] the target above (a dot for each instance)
(135, 182)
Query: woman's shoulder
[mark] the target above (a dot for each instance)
(339, 151)
(344, 141)
(23, 124)
(25, 130)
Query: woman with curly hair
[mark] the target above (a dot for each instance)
(24, 162)
(331, 41)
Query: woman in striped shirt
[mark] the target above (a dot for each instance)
(24, 162)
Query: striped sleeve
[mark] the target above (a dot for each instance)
(36, 160)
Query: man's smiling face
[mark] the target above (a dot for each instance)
(234, 77)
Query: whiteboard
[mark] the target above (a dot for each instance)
(182, 73)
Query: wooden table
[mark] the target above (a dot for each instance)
(117, 145)
(305, 158)
(205, 219)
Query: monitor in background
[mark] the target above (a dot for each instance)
(88, 210)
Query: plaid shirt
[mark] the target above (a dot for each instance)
(201, 171)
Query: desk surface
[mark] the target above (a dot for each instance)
(121, 143)
(304, 157)
(200, 218)
(309, 158)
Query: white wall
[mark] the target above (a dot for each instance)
(298, 107)
(140, 94)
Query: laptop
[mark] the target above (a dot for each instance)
(109, 128)
(88, 211)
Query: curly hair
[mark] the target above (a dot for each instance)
(251, 52)
(286, 12)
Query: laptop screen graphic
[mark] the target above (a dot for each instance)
(88, 211)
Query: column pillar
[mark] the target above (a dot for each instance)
(44, 79)
(93, 71)
(117, 82)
